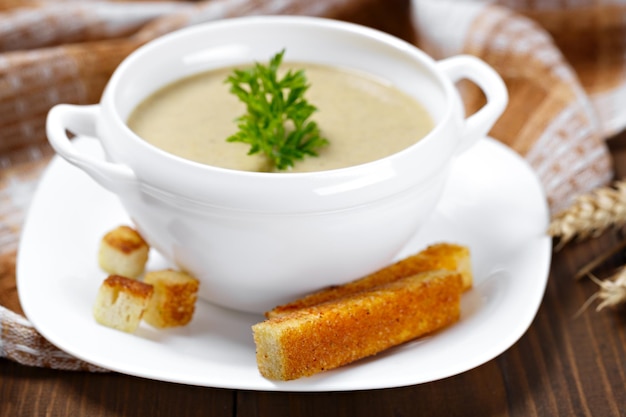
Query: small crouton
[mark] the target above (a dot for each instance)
(123, 252)
(121, 302)
(174, 299)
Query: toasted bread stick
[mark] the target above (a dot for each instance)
(446, 256)
(338, 332)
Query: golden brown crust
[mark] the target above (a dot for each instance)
(132, 287)
(338, 332)
(125, 239)
(445, 256)
(174, 299)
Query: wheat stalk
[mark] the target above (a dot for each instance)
(591, 214)
(603, 257)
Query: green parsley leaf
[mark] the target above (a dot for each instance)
(277, 119)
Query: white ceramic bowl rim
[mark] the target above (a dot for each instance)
(288, 21)
(132, 162)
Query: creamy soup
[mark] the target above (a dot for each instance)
(364, 118)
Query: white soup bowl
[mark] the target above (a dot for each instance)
(255, 240)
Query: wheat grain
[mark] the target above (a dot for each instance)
(591, 214)
(612, 290)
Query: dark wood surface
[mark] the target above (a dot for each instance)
(564, 365)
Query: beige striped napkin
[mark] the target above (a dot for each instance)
(563, 63)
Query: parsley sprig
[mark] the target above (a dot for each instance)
(277, 119)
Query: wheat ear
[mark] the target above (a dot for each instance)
(612, 290)
(591, 214)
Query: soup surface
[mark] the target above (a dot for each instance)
(364, 118)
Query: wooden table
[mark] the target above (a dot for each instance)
(565, 365)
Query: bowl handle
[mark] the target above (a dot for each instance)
(488, 80)
(81, 120)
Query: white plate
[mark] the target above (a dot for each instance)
(493, 203)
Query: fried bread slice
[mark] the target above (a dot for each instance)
(338, 332)
(446, 256)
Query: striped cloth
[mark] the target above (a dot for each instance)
(562, 61)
